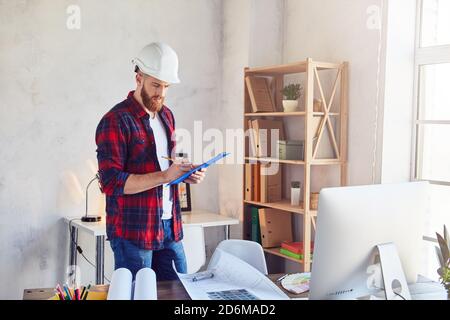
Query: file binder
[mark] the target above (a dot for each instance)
(202, 166)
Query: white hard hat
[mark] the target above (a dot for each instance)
(158, 60)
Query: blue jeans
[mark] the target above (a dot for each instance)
(128, 255)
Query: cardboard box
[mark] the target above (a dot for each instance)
(291, 149)
(271, 185)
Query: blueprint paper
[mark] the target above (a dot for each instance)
(231, 273)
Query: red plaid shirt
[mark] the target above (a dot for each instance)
(125, 145)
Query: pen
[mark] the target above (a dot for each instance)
(203, 276)
(282, 277)
(173, 160)
(82, 293)
(87, 292)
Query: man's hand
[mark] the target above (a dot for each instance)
(176, 170)
(196, 177)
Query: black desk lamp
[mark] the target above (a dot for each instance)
(91, 218)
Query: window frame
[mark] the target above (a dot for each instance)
(424, 56)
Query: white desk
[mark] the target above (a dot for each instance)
(98, 230)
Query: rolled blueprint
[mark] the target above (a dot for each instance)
(120, 287)
(145, 285)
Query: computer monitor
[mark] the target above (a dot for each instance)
(351, 221)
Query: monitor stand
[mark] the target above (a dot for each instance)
(394, 280)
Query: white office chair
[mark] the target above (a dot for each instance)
(194, 247)
(249, 251)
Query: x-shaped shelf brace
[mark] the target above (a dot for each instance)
(326, 118)
(313, 222)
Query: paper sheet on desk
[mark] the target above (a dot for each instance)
(231, 273)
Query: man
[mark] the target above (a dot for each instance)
(134, 140)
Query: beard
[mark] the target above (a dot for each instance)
(153, 104)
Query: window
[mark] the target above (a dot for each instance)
(435, 25)
(432, 123)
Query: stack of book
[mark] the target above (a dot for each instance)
(260, 94)
(294, 249)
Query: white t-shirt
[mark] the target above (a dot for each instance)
(162, 150)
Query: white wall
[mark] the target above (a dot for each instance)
(338, 31)
(55, 85)
(398, 96)
(252, 36)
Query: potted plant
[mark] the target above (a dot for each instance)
(291, 92)
(443, 253)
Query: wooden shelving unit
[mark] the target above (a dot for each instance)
(284, 205)
(261, 159)
(274, 114)
(314, 162)
(286, 114)
(311, 69)
(276, 251)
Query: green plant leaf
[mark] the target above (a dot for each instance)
(446, 276)
(292, 91)
(445, 251)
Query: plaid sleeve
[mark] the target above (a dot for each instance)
(111, 154)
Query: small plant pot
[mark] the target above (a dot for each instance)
(290, 105)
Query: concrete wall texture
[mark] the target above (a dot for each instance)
(57, 82)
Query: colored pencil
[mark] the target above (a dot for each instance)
(60, 293)
(82, 293)
(87, 292)
(68, 297)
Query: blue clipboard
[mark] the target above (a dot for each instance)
(203, 165)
